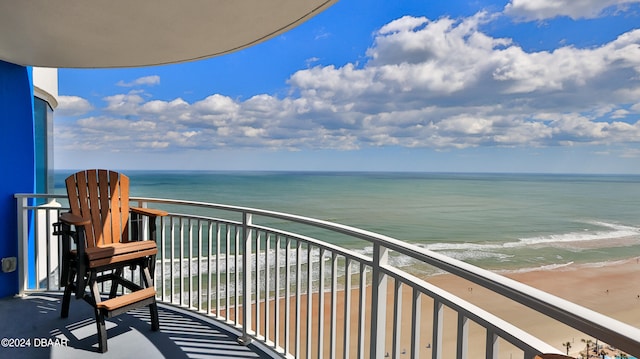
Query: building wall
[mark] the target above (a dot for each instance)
(17, 162)
(45, 85)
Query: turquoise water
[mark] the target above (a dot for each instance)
(496, 221)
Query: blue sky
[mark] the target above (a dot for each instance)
(371, 85)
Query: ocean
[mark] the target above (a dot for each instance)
(511, 222)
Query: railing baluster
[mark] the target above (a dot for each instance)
(218, 254)
(258, 239)
(463, 337)
(438, 317)
(198, 265)
(182, 288)
(492, 345)
(247, 249)
(416, 314)
(309, 298)
(189, 260)
(267, 287)
(287, 296)
(378, 301)
(276, 298)
(48, 250)
(361, 311)
(298, 295)
(173, 256)
(36, 248)
(209, 253)
(236, 276)
(334, 304)
(163, 253)
(397, 318)
(321, 305)
(59, 239)
(23, 235)
(227, 273)
(347, 309)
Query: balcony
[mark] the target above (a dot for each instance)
(275, 283)
(45, 335)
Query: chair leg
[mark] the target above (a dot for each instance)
(147, 281)
(68, 289)
(152, 267)
(81, 281)
(153, 311)
(66, 299)
(65, 276)
(102, 331)
(114, 283)
(100, 324)
(145, 275)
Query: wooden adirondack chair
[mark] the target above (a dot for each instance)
(105, 232)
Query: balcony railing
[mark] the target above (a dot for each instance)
(279, 279)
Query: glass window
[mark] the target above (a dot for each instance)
(43, 126)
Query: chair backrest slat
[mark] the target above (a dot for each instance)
(108, 192)
(94, 206)
(124, 207)
(102, 196)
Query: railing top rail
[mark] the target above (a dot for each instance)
(39, 195)
(584, 319)
(612, 331)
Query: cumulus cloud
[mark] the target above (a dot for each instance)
(73, 106)
(141, 81)
(124, 104)
(528, 10)
(438, 84)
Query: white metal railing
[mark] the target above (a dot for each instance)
(308, 298)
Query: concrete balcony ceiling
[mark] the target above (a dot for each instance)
(123, 33)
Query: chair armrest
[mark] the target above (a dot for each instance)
(73, 219)
(151, 212)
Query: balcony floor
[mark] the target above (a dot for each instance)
(36, 318)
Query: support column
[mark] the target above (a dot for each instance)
(17, 163)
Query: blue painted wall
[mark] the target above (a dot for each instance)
(17, 159)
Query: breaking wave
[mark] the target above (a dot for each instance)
(609, 231)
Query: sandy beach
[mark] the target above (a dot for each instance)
(608, 288)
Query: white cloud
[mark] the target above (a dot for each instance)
(618, 114)
(576, 9)
(141, 81)
(216, 105)
(438, 84)
(73, 106)
(124, 104)
(162, 107)
(310, 61)
(153, 144)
